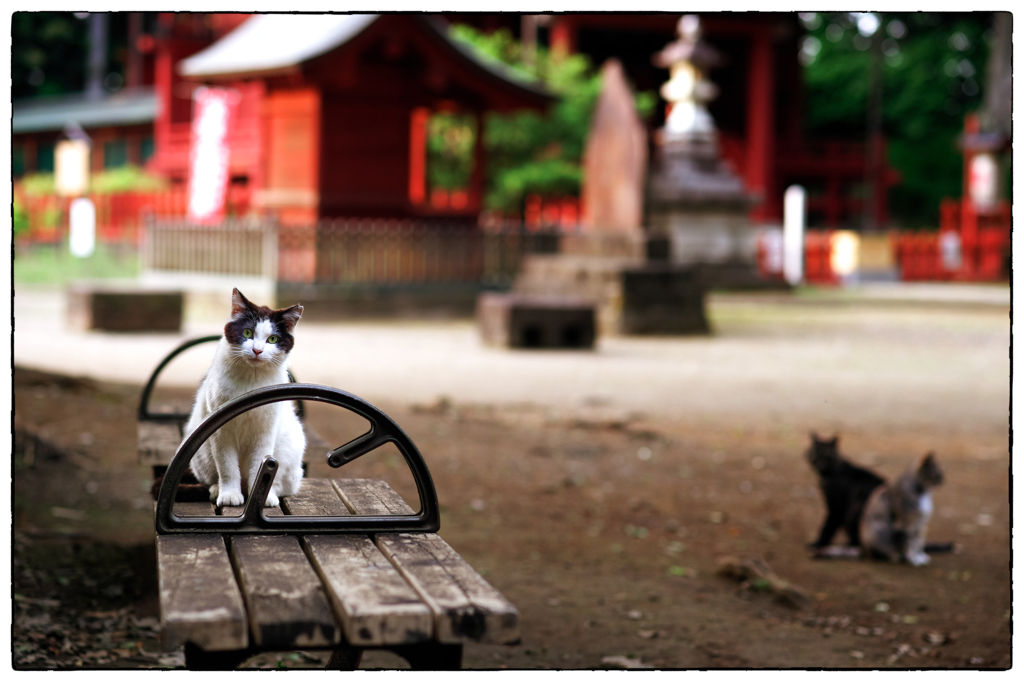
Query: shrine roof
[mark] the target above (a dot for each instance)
(268, 44)
(274, 42)
(128, 107)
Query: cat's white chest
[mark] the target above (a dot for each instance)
(925, 504)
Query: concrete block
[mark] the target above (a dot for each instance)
(531, 321)
(121, 309)
(661, 299)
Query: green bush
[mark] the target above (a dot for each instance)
(38, 184)
(128, 178)
(20, 222)
(538, 153)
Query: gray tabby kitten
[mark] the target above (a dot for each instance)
(252, 354)
(896, 515)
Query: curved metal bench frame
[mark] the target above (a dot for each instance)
(145, 415)
(383, 430)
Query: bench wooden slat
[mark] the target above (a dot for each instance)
(158, 441)
(371, 496)
(316, 497)
(237, 511)
(315, 445)
(373, 602)
(465, 606)
(287, 605)
(199, 598)
(375, 605)
(194, 508)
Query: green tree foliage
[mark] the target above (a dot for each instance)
(49, 52)
(538, 153)
(450, 141)
(933, 74)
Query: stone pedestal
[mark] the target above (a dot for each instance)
(594, 278)
(533, 321)
(108, 307)
(629, 295)
(662, 299)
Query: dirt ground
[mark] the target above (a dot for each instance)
(604, 527)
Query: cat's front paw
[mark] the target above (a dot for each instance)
(272, 500)
(919, 559)
(230, 498)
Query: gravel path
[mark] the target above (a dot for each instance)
(894, 357)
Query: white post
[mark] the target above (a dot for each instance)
(82, 228)
(793, 235)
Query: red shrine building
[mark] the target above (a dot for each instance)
(331, 110)
(332, 114)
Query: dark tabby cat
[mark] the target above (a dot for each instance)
(846, 488)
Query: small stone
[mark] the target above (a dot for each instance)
(635, 615)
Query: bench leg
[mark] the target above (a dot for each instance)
(197, 658)
(431, 656)
(345, 658)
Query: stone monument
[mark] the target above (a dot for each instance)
(696, 205)
(604, 265)
(615, 166)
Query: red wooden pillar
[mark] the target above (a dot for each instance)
(563, 35)
(418, 155)
(968, 211)
(833, 200)
(478, 179)
(761, 126)
(163, 77)
(877, 156)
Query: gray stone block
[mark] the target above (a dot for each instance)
(118, 309)
(661, 299)
(529, 321)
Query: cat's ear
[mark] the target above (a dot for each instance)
(239, 303)
(928, 463)
(814, 437)
(290, 317)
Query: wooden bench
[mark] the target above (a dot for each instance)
(226, 598)
(344, 565)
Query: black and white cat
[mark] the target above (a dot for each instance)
(252, 354)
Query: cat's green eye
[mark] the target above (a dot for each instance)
(247, 333)
(272, 339)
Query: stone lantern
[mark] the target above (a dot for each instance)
(696, 205)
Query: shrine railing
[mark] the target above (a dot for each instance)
(234, 246)
(346, 252)
(406, 252)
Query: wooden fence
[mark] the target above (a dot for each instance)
(345, 251)
(235, 246)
